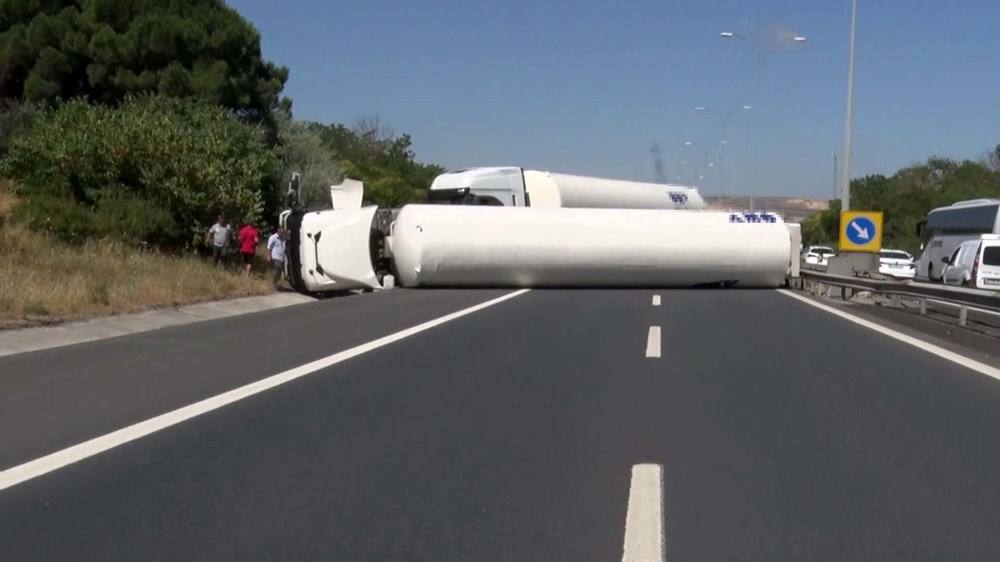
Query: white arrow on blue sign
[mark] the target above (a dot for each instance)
(861, 231)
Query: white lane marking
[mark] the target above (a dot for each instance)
(915, 342)
(656, 300)
(59, 459)
(653, 342)
(644, 519)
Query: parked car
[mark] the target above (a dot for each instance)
(975, 263)
(819, 255)
(897, 263)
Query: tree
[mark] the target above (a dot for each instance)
(301, 150)
(907, 197)
(993, 159)
(104, 50)
(822, 228)
(384, 161)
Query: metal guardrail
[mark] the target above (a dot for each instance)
(964, 299)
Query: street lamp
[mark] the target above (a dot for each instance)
(845, 194)
(694, 166)
(723, 120)
(833, 155)
(758, 53)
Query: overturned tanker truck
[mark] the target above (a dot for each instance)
(508, 227)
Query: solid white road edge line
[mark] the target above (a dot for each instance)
(656, 300)
(59, 459)
(915, 342)
(644, 518)
(653, 342)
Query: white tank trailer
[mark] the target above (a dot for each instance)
(439, 246)
(516, 187)
(496, 246)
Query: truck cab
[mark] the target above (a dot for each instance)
(480, 186)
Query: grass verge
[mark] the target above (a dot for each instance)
(44, 281)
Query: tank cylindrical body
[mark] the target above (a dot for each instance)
(531, 247)
(548, 189)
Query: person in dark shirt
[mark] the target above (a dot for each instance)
(249, 238)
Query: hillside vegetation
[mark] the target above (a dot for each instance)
(907, 196)
(44, 279)
(126, 128)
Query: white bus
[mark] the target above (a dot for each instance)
(947, 227)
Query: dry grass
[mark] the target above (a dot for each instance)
(43, 280)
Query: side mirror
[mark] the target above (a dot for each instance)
(945, 260)
(292, 197)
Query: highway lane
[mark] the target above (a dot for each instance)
(54, 398)
(783, 432)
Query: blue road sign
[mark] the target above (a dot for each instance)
(861, 231)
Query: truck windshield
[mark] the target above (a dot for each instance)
(460, 196)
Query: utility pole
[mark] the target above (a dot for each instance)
(845, 195)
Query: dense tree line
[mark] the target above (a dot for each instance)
(104, 50)
(143, 119)
(907, 196)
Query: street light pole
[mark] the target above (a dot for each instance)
(750, 131)
(723, 121)
(834, 156)
(845, 194)
(693, 168)
(756, 101)
(722, 164)
(704, 170)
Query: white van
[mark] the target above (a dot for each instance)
(975, 263)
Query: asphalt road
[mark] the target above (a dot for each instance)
(783, 432)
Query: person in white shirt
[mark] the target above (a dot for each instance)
(276, 248)
(219, 236)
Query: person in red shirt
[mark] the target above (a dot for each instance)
(249, 237)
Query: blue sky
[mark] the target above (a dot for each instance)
(589, 88)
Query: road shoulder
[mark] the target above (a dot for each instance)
(974, 345)
(35, 339)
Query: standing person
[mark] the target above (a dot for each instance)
(219, 236)
(249, 238)
(276, 248)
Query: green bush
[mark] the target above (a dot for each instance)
(60, 216)
(124, 216)
(15, 118)
(154, 170)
